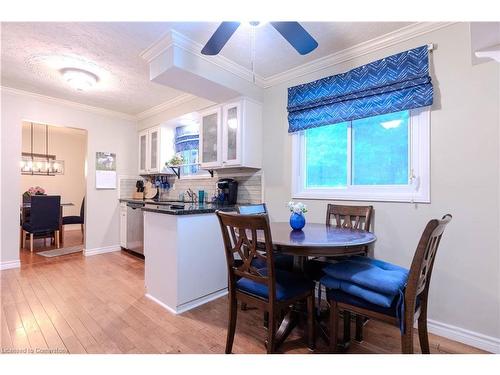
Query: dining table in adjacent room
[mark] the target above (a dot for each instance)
(314, 240)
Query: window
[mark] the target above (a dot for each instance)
(187, 146)
(384, 158)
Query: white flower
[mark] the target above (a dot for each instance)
(298, 208)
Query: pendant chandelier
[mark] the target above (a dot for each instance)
(40, 164)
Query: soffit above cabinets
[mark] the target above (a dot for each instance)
(176, 61)
(485, 42)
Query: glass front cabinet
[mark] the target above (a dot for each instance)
(231, 135)
(153, 150)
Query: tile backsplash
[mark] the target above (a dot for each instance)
(126, 186)
(249, 186)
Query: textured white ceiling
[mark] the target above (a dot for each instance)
(33, 53)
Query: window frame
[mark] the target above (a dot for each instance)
(418, 191)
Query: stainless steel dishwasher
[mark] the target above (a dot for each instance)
(135, 228)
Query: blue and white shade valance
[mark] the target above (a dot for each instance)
(186, 138)
(392, 84)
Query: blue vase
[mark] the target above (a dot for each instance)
(297, 221)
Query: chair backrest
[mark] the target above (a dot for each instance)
(82, 210)
(240, 234)
(252, 209)
(422, 264)
(355, 217)
(45, 212)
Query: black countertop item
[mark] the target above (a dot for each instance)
(174, 208)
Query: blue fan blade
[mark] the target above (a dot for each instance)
(297, 36)
(220, 38)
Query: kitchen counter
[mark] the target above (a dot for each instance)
(174, 207)
(189, 208)
(149, 201)
(185, 263)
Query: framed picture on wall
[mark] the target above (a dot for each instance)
(105, 170)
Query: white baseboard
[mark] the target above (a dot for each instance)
(101, 250)
(191, 304)
(10, 264)
(478, 340)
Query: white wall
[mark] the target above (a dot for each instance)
(68, 145)
(105, 133)
(465, 288)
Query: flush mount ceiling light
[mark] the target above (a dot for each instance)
(79, 79)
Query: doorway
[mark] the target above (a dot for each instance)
(53, 164)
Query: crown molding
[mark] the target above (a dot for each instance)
(361, 49)
(183, 98)
(178, 100)
(68, 103)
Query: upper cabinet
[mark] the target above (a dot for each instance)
(231, 135)
(211, 138)
(155, 149)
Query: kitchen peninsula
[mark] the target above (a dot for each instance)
(185, 265)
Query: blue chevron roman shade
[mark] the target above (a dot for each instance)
(395, 83)
(186, 138)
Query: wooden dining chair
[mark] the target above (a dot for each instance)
(45, 214)
(343, 216)
(281, 261)
(354, 217)
(415, 295)
(268, 289)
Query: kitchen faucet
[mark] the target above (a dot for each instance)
(192, 195)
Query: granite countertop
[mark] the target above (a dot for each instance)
(151, 201)
(166, 207)
(189, 208)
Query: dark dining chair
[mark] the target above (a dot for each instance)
(353, 217)
(405, 309)
(281, 261)
(268, 288)
(343, 216)
(66, 220)
(45, 215)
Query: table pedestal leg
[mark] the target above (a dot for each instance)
(287, 325)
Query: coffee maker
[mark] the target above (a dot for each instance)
(227, 191)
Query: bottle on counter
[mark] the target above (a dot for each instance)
(201, 196)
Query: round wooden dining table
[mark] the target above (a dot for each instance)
(314, 240)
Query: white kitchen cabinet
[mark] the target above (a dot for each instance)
(123, 225)
(210, 138)
(231, 135)
(155, 149)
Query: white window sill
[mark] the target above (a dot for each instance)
(404, 197)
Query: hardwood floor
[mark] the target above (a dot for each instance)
(71, 238)
(96, 304)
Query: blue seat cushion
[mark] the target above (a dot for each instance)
(72, 220)
(380, 299)
(288, 285)
(343, 297)
(281, 261)
(369, 273)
